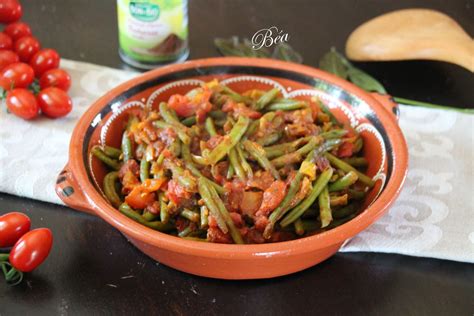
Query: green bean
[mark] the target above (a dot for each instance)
(296, 156)
(243, 162)
(144, 170)
(189, 121)
(299, 229)
(338, 163)
(281, 209)
(218, 115)
(345, 211)
(109, 188)
(181, 130)
(235, 163)
(164, 214)
(235, 96)
(186, 153)
(210, 128)
(234, 232)
(169, 118)
(186, 231)
(318, 187)
(183, 178)
(230, 172)
(190, 215)
(126, 147)
(356, 194)
(325, 213)
(356, 162)
(358, 144)
(230, 140)
(252, 128)
(326, 111)
(285, 148)
(148, 216)
(343, 183)
(112, 152)
(270, 139)
(175, 147)
(306, 225)
(204, 191)
(112, 163)
(286, 106)
(204, 217)
(257, 152)
(125, 209)
(335, 133)
(266, 98)
(200, 160)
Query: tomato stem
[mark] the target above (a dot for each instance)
(12, 276)
(4, 257)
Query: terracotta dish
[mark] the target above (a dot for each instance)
(374, 116)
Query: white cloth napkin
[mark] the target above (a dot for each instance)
(433, 217)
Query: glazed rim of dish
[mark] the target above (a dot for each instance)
(248, 66)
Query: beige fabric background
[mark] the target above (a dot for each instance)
(433, 217)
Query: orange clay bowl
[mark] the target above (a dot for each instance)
(80, 183)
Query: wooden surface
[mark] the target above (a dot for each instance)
(93, 270)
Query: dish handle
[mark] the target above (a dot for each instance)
(388, 103)
(70, 193)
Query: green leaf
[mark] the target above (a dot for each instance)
(334, 63)
(285, 52)
(365, 81)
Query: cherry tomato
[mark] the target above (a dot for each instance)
(12, 226)
(54, 102)
(22, 103)
(21, 75)
(44, 60)
(5, 41)
(10, 11)
(55, 78)
(31, 249)
(17, 30)
(26, 47)
(8, 57)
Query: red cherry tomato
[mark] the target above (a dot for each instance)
(22, 103)
(55, 78)
(17, 30)
(10, 11)
(12, 226)
(54, 102)
(21, 75)
(26, 47)
(5, 41)
(44, 60)
(8, 57)
(31, 249)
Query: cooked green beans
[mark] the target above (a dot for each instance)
(230, 140)
(349, 179)
(112, 152)
(338, 163)
(126, 147)
(257, 152)
(296, 156)
(156, 225)
(110, 190)
(325, 213)
(190, 215)
(112, 163)
(144, 170)
(266, 98)
(318, 187)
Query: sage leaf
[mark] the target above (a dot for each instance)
(334, 63)
(365, 81)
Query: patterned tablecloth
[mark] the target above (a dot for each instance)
(433, 217)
